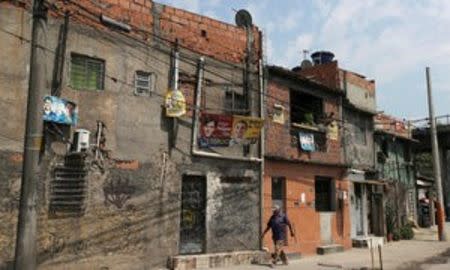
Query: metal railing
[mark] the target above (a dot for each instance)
(442, 120)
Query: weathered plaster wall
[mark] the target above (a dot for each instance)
(146, 225)
(357, 154)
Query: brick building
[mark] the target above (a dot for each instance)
(154, 195)
(304, 171)
(358, 109)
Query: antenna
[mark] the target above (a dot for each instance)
(306, 63)
(305, 54)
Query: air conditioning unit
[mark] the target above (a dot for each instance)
(80, 140)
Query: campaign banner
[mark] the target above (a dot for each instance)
(175, 103)
(215, 130)
(306, 141)
(59, 110)
(246, 130)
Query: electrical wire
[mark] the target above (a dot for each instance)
(294, 108)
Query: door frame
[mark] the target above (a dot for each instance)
(194, 177)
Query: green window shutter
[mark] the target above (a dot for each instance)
(86, 73)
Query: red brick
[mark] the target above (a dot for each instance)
(135, 7)
(127, 164)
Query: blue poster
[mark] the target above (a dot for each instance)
(306, 141)
(60, 111)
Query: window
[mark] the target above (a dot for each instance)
(143, 82)
(325, 194)
(360, 130)
(235, 103)
(305, 109)
(278, 192)
(87, 73)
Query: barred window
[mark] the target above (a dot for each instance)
(143, 82)
(235, 102)
(86, 73)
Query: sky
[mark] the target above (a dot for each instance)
(391, 41)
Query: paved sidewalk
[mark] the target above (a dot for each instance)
(405, 254)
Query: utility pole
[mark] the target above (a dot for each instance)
(436, 163)
(25, 255)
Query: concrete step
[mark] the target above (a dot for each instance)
(328, 249)
(216, 260)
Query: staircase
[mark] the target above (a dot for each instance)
(68, 188)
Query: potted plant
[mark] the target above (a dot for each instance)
(390, 222)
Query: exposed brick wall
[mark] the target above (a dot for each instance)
(326, 74)
(332, 76)
(211, 37)
(279, 140)
(201, 34)
(358, 80)
(392, 125)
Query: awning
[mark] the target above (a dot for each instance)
(370, 182)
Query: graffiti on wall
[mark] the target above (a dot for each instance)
(118, 191)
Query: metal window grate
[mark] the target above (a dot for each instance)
(143, 82)
(87, 73)
(234, 102)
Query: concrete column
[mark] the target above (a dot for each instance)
(365, 209)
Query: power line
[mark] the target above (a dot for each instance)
(187, 60)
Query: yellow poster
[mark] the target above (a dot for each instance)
(333, 131)
(175, 103)
(245, 130)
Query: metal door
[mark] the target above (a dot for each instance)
(193, 206)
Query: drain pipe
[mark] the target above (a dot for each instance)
(261, 152)
(198, 94)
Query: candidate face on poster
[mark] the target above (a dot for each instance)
(246, 130)
(215, 130)
(60, 111)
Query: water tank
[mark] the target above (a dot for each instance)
(80, 140)
(322, 57)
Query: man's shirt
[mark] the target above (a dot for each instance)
(278, 225)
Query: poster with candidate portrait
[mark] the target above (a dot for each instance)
(175, 103)
(215, 130)
(246, 130)
(60, 111)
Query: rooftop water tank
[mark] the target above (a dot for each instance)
(322, 57)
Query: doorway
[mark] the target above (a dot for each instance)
(193, 212)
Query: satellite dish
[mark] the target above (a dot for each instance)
(306, 64)
(243, 18)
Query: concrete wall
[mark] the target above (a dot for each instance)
(358, 155)
(359, 91)
(399, 173)
(144, 227)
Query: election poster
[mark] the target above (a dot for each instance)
(175, 103)
(215, 130)
(228, 130)
(60, 111)
(246, 130)
(307, 141)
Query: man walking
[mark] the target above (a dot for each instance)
(277, 223)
